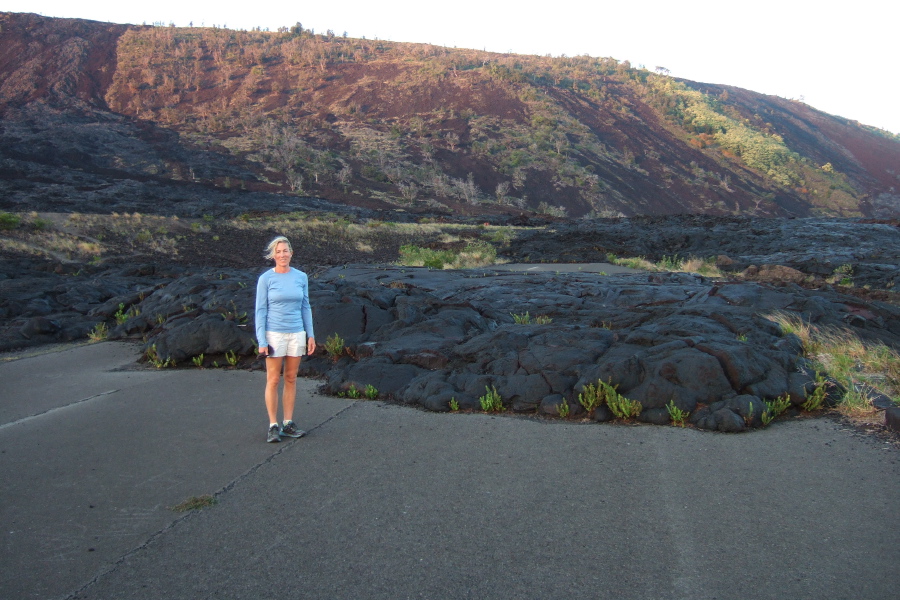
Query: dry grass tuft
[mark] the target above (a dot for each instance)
(863, 369)
(672, 264)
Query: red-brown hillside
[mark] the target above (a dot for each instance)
(375, 123)
(55, 59)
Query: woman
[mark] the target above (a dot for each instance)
(284, 333)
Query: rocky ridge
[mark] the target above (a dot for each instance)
(426, 337)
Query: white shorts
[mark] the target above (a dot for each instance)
(286, 344)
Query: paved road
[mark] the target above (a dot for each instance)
(380, 501)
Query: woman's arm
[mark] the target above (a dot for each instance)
(306, 311)
(262, 313)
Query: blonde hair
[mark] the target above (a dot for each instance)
(270, 249)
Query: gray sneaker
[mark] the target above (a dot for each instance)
(291, 430)
(274, 434)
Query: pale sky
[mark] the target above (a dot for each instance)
(837, 57)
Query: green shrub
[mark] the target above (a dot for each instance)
(491, 401)
(476, 254)
(670, 263)
(816, 399)
(592, 396)
(120, 314)
(416, 256)
(154, 359)
(9, 220)
(774, 408)
(521, 318)
(622, 407)
(334, 346)
(41, 224)
(700, 113)
(677, 415)
(526, 319)
(99, 333)
(778, 405)
(843, 275)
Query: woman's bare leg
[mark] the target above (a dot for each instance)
(273, 376)
(289, 395)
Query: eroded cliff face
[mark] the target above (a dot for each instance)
(89, 105)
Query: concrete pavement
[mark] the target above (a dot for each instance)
(381, 501)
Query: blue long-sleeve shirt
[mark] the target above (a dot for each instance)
(282, 304)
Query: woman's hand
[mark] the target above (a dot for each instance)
(310, 345)
(263, 351)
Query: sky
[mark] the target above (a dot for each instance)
(839, 59)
